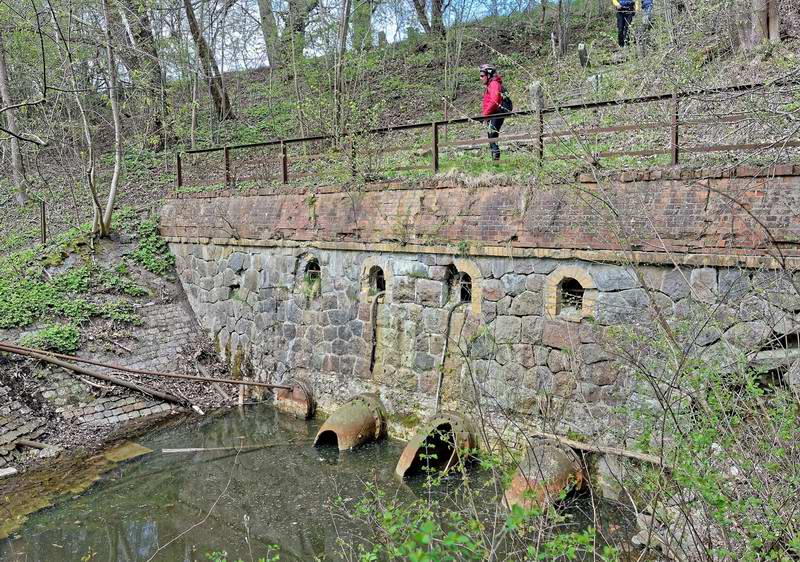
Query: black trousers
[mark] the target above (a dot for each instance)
(493, 131)
(624, 19)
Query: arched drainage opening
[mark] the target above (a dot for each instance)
(327, 439)
(436, 452)
(438, 446)
(361, 419)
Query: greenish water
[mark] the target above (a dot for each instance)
(183, 506)
(278, 495)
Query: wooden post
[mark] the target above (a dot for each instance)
(284, 163)
(674, 131)
(435, 147)
(353, 168)
(537, 104)
(445, 118)
(179, 170)
(43, 221)
(226, 154)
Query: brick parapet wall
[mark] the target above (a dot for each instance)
(742, 212)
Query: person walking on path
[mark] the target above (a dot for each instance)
(626, 9)
(495, 100)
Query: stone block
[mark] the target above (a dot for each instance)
(482, 347)
(532, 327)
(613, 278)
(560, 334)
(434, 320)
(733, 284)
(513, 283)
(403, 289)
(488, 312)
(540, 354)
(524, 355)
(535, 283)
(526, 304)
(424, 361)
(492, 290)
(430, 293)
(507, 329)
(557, 361)
(237, 262)
(591, 353)
(675, 284)
(601, 374)
(703, 282)
(504, 306)
(624, 307)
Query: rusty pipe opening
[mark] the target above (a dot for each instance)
(359, 420)
(437, 446)
(298, 400)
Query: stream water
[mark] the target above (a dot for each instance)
(159, 503)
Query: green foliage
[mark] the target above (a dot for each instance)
(64, 338)
(222, 556)
(152, 253)
(28, 292)
(312, 286)
(436, 530)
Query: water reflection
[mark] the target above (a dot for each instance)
(278, 495)
(158, 505)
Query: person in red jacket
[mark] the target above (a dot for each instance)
(492, 103)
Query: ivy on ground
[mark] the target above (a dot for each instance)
(56, 337)
(152, 253)
(29, 292)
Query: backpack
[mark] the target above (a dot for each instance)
(506, 105)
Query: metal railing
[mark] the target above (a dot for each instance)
(345, 149)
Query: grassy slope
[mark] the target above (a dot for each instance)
(398, 84)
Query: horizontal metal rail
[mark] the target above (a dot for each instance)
(537, 136)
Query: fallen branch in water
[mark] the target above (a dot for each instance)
(245, 448)
(644, 457)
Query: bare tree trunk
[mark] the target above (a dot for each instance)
(362, 24)
(113, 94)
(437, 18)
(269, 29)
(422, 15)
(222, 104)
(341, 53)
(293, 40)
(17, 167)
(141, 31)
(87, 130)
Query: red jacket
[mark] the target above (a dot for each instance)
(492, 97)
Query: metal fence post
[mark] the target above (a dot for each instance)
(43, 221)
(674, 131)
(284, 163)
(178, 170)
(435, 147)
(537, 103)
(226, 153)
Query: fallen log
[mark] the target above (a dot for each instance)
(83, 371)
(113, 367)
(644, 457)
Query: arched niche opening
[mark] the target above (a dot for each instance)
(376, 280)
(459, 286)
(311, 283)
(570, 297)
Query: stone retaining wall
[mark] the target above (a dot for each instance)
(519, 347)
